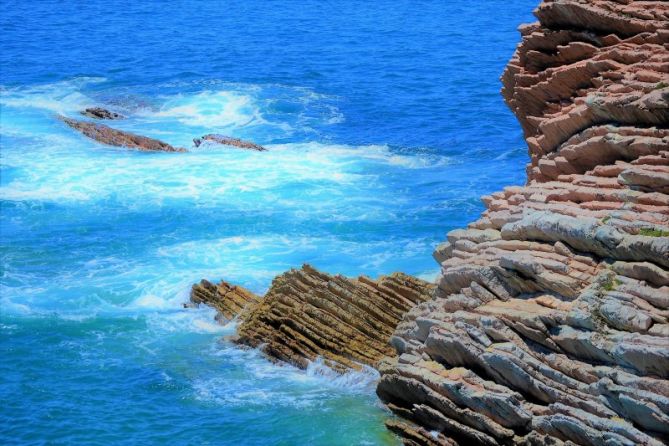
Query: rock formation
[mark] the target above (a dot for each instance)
(307, 315)
(119, 138)
(550, 323)
(230, 301)
(100, 113)
(228, 141)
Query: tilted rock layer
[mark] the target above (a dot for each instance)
(550, 323)
(307, 315)
(118, 138)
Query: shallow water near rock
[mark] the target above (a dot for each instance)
(383, 125)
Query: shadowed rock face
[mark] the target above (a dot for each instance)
(101, 113)
(228, 141)
(119, 138)
(550, 324)
(307, 314)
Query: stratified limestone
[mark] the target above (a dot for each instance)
(550, 324)
(228, 141)
(119, 138)
(230, 301)
(307, 315)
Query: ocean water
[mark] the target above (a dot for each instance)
(384, 126)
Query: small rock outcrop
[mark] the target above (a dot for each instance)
(550, 323)
(228, 141)
(230, 301)
(118, 138)
(101, 113)
(307, 314)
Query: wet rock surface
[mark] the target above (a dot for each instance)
(550, 323)
(118, 138)
(228, 141)
(101, 113)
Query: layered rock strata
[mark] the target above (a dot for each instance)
(230, 301)
(118, 138)
(550, 323)
(307, 314)
(228, 141)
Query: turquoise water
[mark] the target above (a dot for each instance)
(384, 125)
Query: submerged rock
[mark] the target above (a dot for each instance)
(307, 315)
(228, 141)
(101, 113)
(119, 138)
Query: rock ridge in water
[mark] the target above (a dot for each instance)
(550, 323)
(101, 113)
(118, 138)
(228, 141)
(307, 314)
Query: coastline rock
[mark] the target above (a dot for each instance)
(101, 113)
(230, 301)
(307, 314)
(118, 138)
(228, 141)
(550, 323)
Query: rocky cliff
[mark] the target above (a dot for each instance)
(550, 323)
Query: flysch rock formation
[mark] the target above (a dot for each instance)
(230, 301)
(101, 113)
(228, 141)
(118, 138)
(550, 323)
(308, 315)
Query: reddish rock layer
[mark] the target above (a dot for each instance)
(228, 141)
(119, 138)
(585, 65)
(550, 324)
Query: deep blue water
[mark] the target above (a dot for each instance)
(384, 124)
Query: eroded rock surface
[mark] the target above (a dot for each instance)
(228, 141)
(307, 314)
(230, 301)
(550, 324)
(119, 138)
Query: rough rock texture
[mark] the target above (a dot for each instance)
(101, 113)
(550, 324)
(230, 301)
(307, 315)
(119, 138)
(228, 141)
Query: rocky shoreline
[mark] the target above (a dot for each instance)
(549, 322)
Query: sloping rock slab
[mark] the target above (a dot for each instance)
(228, 141)
(118, 138)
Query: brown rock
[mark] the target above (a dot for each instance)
(119, 138)
(230, 301)
(228, 141)
(307, 315)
